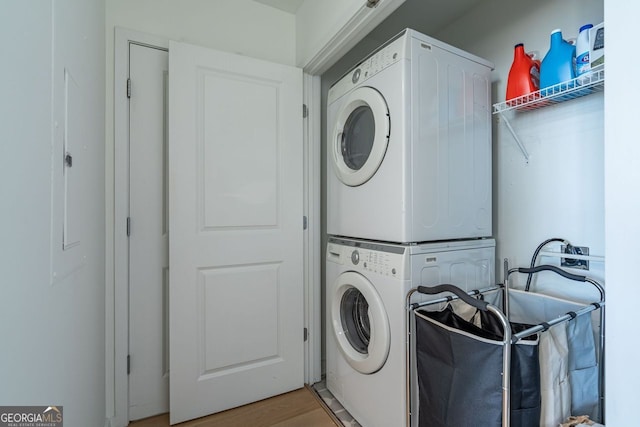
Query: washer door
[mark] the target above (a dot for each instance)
(361, 136)
(360, 323)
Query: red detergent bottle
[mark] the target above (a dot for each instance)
(523, 75)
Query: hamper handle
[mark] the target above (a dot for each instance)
(555, 269)
(433, 290)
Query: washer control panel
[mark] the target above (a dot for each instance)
(380, 262)
(378, 258)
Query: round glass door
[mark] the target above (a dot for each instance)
(360, 323)
(354, 313)
(361, 136)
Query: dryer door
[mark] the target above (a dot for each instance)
(360, 322)
(360, 136)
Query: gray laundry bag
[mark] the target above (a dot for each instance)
(460, 369)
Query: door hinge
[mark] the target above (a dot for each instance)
(128, 364)
(306, 334)
(128, 226)
(372, 3)
(129, 88)
(304, 222)
(305, 111)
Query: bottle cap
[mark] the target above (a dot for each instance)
(557, 30)
(585, 27)
(519, 44)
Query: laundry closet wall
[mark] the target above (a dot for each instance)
(560, 191)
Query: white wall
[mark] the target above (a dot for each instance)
(318, 22)
(622, 178)
(328, 29)
(239, 26)
(560, 191)
(52, 329)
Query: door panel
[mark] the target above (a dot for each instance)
(259, 343)
(235, 185)
(149, 239)
(231, 147)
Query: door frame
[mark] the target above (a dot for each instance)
(117, 313)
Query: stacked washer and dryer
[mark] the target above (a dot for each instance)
(408, 203)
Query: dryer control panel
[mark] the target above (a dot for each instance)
(379, 258)
(386, 56)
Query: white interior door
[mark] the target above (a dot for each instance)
(236, 247)
(148, 240)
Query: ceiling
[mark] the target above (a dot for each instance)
(426, 16)
(290, 6)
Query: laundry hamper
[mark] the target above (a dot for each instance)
(476, 361)
(571, 345)
(460, 367)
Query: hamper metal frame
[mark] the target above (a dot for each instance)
(509, 337)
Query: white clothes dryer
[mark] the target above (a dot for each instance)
(409, 144)
(367, 284)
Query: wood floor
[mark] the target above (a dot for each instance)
(299, 408)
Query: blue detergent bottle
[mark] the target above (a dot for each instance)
(558, 64)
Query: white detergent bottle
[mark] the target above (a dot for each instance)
(582, 50)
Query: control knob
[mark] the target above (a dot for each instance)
(355, 257)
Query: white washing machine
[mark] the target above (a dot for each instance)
(367, 283)
(409, 144)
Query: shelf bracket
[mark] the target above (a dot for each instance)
(515, 136)
(582, 85)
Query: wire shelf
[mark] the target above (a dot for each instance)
(585, 84)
